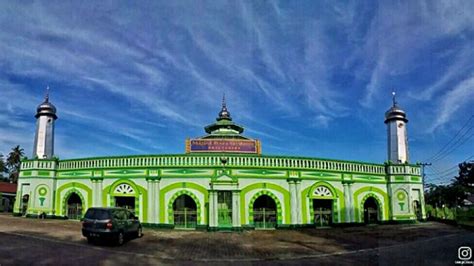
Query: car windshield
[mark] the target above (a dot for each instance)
(97, 214)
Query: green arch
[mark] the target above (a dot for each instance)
(66, 198)
(373, 190)
(379, 204)
(267, 186)
(338, 196)
(175, 196)
(271, 195)
(108, 192)
(182, 185)
(58, 208)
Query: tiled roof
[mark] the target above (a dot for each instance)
(6, 187)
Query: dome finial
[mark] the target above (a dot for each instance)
(393, 98)
(46, 97)
(224, 113)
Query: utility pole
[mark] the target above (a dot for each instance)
(423, 175)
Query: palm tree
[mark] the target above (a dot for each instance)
(13, 162)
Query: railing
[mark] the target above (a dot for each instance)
(215, 161)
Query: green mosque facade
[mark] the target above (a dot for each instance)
(223, 181)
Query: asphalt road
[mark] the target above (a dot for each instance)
(27, 241)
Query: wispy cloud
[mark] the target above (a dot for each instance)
(454, 100)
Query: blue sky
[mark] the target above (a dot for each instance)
(309, 78)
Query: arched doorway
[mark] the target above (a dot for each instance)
(24, 204)
(74, 207)
(371, 211)
(264, 212)
(417, 209)
(184, 212)
(125, 197)
(322, 212)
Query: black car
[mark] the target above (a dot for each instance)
(113, 224)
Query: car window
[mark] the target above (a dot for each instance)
(97, 214)
(120, 215)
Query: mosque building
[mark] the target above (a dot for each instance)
(223, 181)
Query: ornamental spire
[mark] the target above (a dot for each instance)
(393, 98)
(46, 97)
(224, 114)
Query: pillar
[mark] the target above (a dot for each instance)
(293, 202)
(97, 192)
(156, 202)
(212, 208)
(347, 202)
(299, 212)
(150, 200)
(236, 208)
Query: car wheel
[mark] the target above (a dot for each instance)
(120, 239)
(90, 240)
(139, 232)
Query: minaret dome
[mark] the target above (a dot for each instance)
(397, 143)
(44, 137)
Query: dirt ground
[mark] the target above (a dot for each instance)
(171, 246)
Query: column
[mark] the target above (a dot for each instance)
(97, 192)
(236, 208)
(293, 202)
(351, 205)
(156, 201)
(150, 200)
(212, 208)
(347, 202)
(298, 202)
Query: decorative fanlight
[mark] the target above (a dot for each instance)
(322, 191)
(124, 189)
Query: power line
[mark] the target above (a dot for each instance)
(438, 175)
(440, 152)
(457, 146)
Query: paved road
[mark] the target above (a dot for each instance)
(27, 241)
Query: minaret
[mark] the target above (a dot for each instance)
(44, 138)
(396, 120)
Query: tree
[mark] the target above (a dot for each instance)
(3, 167)
(13, 163)
(453, 194)
(466, 175)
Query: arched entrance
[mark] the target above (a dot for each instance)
(74, 207)
(371, 211)
(322, 212)
(323, 202)
(417, 209)
(264, 212)
(125, 197)
(184, 212)
(24, 204)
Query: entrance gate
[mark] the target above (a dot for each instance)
(322, 212)
(126, 202)
(224, 208)
(184, 212)
(371, 211)
(24, 204)
(74, 207)
(417, 209)
(264, 212)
